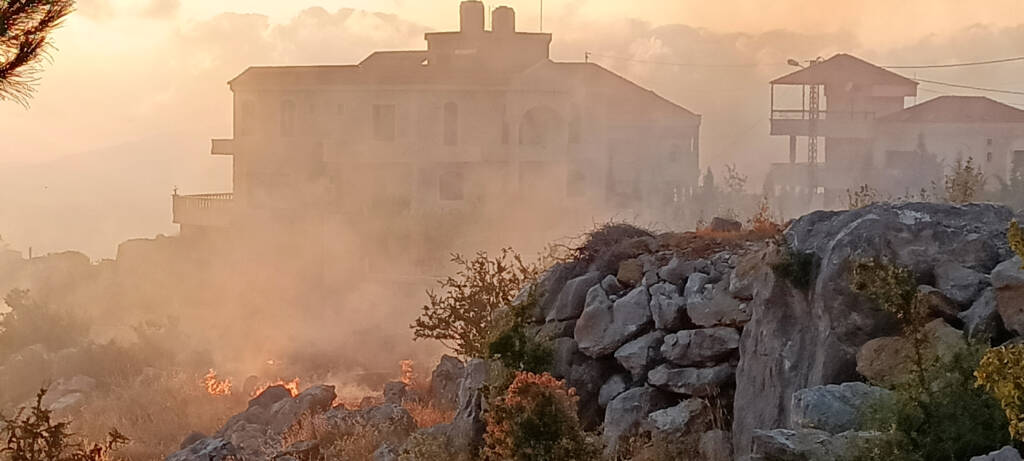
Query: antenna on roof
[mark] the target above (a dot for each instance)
(542, 15)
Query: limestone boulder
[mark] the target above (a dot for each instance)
(571, 300)
(982, 319)
(698, 382)
(834, 408)
(959, 283)
(668, 307)
(444, 382)
(1008, 280)
(1003, 454)
(627, 412)
(605, 326)
(705, 346)
(641, 355)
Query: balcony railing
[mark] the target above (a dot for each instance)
(213, 210)
(839, 124)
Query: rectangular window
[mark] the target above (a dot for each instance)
(384, 122)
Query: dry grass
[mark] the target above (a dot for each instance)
(156, 411)
(426, 415)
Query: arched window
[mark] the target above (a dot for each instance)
(287, 118)
(451, 124)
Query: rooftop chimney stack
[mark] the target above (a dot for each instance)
(503, 20)
(471, 13)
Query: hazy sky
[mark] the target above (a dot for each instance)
(138, 87)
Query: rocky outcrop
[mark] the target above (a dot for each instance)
(833, 408)
(1004, 454)
(826, 325)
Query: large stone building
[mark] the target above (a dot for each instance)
(479, 140)
(871, 138)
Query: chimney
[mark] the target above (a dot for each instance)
(471, 14)
(503, 20)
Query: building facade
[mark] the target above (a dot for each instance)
(481, 132)
(858, 131)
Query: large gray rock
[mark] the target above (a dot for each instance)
(564, 352)
(641, 355)
(808, 445)
(1003, 454)
(698, 382)
(720, 309)
(982, 319)
(700, 347)
(615, 385)
(444, 382)
(605, 326)
(961, 284)
(467, 428)
(257, 432)
(833, 408)
(937, 303)
(668, 307)
(627, 412)
(678, 269)
(570, 302)
(1008, 280)
(888, 360)
(685, 418)
(825, 326)
(587, 377)
(693, 292)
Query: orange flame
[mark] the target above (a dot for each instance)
(215, 386)
(292, 386)
(407, 372)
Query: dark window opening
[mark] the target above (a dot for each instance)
(988, 156)
(384, 122)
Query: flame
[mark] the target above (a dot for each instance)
(407, 372)
(215, 386)
(292, 386)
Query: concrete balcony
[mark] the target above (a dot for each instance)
(841, 124)
(204, 210)
(222, 147)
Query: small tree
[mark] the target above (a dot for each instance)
(462, 314)
(34, 436)
(1016, 238)
(865, 195)
(735, 182)
(964, 182)
(25, 28)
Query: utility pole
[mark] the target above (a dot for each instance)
(586, 56)
(542, 15)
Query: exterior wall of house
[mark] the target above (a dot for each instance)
(991, 145)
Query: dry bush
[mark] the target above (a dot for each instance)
(157, 410)
(427, 415)
(762, 222)
(536, 419)
(33, 435)
(427, 447)
(964, 182)
(865, 195)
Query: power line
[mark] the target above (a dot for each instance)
(969, 87)
(681, 64)
(959, 64)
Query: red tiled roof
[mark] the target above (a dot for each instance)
(841, 70)
(958, 109)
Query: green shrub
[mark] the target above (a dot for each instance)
(1001, 373)
(461, 316)
(893, 288)
(536, 420)
(798, 268)
(964, 181)
(947, 419)
(32, 435)
(1016, 239)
